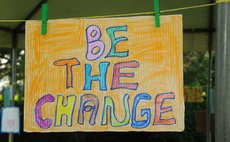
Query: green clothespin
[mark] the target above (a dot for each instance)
(156, 12)
(44, 18)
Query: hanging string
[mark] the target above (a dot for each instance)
(221, 1)
(135, 14)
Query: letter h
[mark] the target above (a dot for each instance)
(103, 66)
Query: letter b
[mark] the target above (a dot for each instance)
(95, 47)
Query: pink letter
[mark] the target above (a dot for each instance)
(95, 47)
(159, 110)
(116, 75)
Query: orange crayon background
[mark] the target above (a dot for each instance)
(158, 50)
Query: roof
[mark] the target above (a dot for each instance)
(196, 21)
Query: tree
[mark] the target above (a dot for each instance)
(6, 68)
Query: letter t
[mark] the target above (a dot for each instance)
(69, 63)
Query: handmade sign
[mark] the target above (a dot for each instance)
(106, 74)
(10, 120)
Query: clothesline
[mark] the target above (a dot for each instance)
(136, 14)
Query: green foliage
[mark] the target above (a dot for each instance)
(195, 68)
(5, 62)
(6, 69)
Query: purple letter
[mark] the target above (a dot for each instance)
(44, 124)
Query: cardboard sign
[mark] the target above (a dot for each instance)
(107, 74)
(10, 120)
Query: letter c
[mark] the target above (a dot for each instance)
(44, 124)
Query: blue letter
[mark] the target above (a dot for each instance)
(147, 112)
(103, 66)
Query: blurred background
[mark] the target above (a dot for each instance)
(199, 63)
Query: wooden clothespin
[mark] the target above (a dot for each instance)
(157, 13)
(44, 18)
